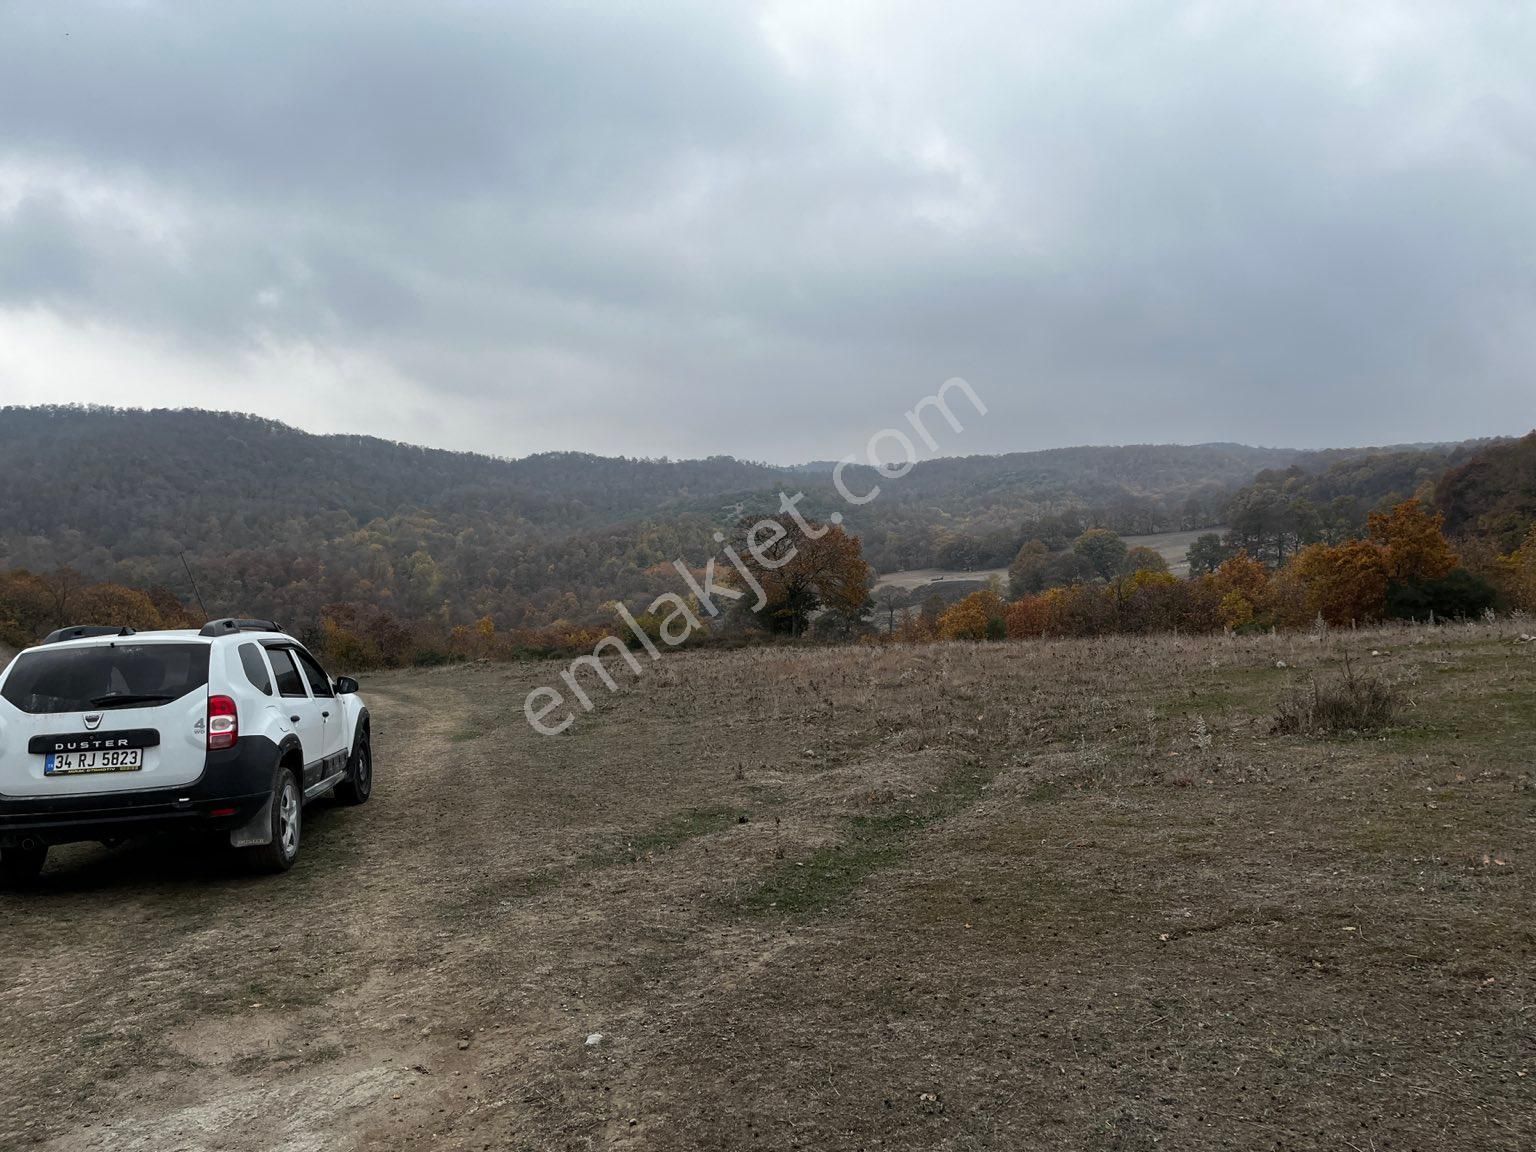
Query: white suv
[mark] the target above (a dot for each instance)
(107, 733)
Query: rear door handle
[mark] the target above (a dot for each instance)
(294, 719)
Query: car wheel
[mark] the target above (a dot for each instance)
(287, 826)
(358, 785)
(19, 867)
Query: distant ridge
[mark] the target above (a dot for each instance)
(281, 522)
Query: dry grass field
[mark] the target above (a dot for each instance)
(1171, 546)
(1073, 895)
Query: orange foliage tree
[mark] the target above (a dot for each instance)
(1240, 585)
(1344, 583)
(114, 604)
(1517, 573)
(1149, 600)
(1029, 616)
(1413, 538)
(977, 617)
(31, 605)
(25, 605)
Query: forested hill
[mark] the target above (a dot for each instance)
(1286, 509)
(133, 470)
(1493, 494)
(275, 520)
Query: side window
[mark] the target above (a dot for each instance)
(255, 669)
(319, 682)
(289, 682)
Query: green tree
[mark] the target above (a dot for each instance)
(1207, 554)
(1026, 576)
(1103, 550)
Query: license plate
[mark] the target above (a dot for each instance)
(102, 760)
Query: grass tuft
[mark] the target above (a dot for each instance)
(1350, 703)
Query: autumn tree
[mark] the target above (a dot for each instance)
(932, 610)
(1027, 617)
(31, 605)
(1148, 600)
(1287, 603)
(63, 584)
(1240, 586)
(345, 647)
(1493, 495)
(1425, 578)
(1085, 610)
(360, 638)
(1519, 570)
(173, 613)
(1143, 559)
(26, 607)
(801, 572)
(1416, 551)
(1345, 583)
(980, 616)
(114, 604)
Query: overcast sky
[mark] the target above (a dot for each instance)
(768, 229)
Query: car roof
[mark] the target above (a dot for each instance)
(159, 636)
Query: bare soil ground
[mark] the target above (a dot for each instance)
(1173, 546)
(1008, 896)
(915, 578)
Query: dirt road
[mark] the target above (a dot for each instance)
(1008, 896)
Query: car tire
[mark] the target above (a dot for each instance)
(19, 867)
(358, 785)
(287, 826)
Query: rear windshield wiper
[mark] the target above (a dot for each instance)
(123, 699)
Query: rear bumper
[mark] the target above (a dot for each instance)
(235, 783)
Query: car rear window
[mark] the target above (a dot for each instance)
(50, 680)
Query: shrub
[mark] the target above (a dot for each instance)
(1351, 703)
(972, 618)
(1457, 596)
(434, 658)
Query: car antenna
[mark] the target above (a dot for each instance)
(193, 582)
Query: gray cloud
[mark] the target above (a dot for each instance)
(40, 256)
(691, 228)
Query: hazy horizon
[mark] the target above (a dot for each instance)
(828, 461)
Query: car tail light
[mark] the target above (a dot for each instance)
(223, 722)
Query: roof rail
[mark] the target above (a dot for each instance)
(230, 625)
(84, 631)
